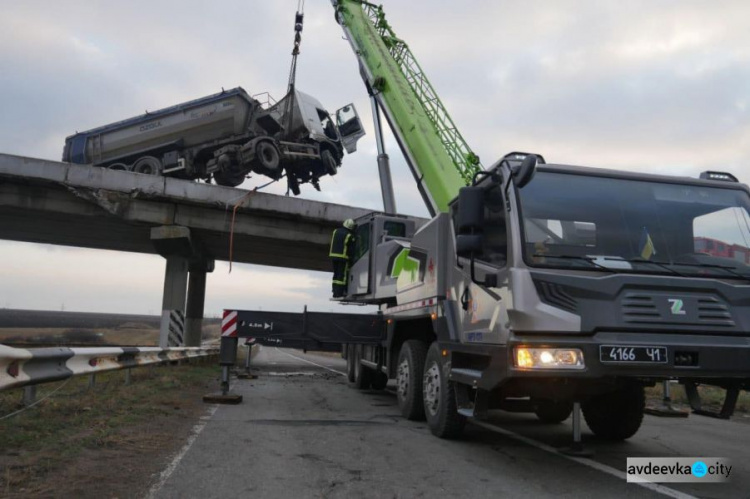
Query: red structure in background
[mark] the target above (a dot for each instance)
(714, 247)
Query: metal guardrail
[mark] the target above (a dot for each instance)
(20, 367)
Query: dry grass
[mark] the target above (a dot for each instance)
(106, 441)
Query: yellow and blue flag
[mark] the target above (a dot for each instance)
(646, 246)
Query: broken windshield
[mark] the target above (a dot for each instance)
(635, 226)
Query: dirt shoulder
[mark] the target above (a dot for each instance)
(109, 441)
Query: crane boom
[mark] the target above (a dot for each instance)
(437, 154)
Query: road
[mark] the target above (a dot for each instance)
(303, 432)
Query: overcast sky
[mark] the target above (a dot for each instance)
(648, 86)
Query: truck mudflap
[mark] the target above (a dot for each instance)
(317, 331)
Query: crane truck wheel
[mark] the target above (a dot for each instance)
(267, 156)
(362, 375)
(440, 397)
(329, 162)
(147, 165)
(550, 411)
(118, 166)
(615, 415)
(350, 363)
(409, 373)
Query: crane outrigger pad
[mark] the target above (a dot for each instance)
(318, 331)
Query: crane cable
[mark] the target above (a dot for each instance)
(299, 18)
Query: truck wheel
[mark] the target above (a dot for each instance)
(118, 166)
(229, 179)
(350, 363)
(409, 379)
(379, 380)
(440, 397)
(362, 375)
(147, 165)
(329, 162)
(267, 155)
(550, 411)
(616, 415)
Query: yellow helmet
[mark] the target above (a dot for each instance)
(349, 223)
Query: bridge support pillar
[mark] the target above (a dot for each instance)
(172, 329)
(196, 299)
(183, 255)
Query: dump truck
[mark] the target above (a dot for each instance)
(224, 137)
(534, 287)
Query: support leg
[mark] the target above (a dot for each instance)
(665, 408)
(227, 357)
(577, 449)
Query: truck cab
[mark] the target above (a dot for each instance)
(310, 140)
(556, 283)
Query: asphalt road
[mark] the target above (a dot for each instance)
(302, 432)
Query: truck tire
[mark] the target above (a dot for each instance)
(228, 178)
(122, 167)
(147, 165)
(379, 380)
(616, 415)
(409, 372)
(440, 397)
(350, 363)
(550, 411)
(362, 375)
(267, 155)
(329, 162)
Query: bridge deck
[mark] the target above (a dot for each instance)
(78, 205)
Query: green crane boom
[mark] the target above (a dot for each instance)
(438, 155)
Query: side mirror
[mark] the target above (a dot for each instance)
(468, 245)
(523, 173)
(470, 210)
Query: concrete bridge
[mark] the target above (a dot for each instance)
(189, 223)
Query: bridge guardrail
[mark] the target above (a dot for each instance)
(20, 366)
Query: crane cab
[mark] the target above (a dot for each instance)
(380, 240)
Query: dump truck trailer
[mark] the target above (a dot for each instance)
(225, 137)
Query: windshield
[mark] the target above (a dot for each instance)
(616, 225)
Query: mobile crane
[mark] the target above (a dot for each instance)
(541, 288)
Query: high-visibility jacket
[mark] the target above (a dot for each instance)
(340, 243)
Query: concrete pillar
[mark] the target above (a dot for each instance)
(195, 302)
(172, 329)
(174, 243)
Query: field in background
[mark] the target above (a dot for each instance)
(33, 328)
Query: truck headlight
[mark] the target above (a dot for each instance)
(548, 358)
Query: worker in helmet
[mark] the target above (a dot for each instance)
(342, 244)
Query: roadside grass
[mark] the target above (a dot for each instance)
(711, 396)
(111, 416)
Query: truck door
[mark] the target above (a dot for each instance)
(359, 275)
(350, 127)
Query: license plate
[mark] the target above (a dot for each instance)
(633, 354)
